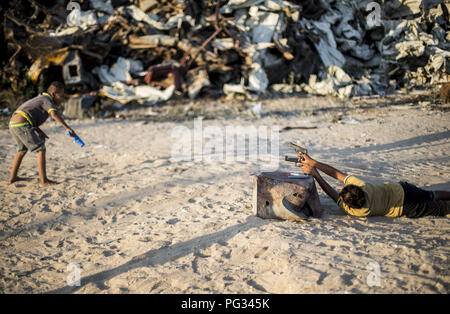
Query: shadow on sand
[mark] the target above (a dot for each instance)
(165, 254)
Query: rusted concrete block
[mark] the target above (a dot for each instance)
(275, 195)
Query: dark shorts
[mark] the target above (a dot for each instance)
(26, 138)
(420, 203)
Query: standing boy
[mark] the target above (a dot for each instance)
(24, 127)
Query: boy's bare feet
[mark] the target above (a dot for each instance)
(15, 179)
(47, 183)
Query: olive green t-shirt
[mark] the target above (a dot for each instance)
(384, 199)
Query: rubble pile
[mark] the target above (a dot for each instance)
(146, 50)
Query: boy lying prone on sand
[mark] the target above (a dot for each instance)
(361, 199)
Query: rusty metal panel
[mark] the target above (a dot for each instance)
(277, 196)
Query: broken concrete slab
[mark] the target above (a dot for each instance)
(326, 46)
(145, 5)
(336, 83)
(143, 94)
(78, 107)
(138, 15)
(196, 80)
(119, 71)
(152, 41)
(232, 90)
(257, 80)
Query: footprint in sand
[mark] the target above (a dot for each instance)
(79, 202)
(261, 252)
(41, 230)
(228, 278)
(172, 221)
(108, 253)
(347, 279)
(45, 208)
(91, 240)
(256, 286)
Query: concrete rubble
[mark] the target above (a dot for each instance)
(147, 51)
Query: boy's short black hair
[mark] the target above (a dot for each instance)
(56, 86)
(353, 196)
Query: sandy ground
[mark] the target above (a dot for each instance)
(129, 218)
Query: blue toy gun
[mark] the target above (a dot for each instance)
(76, 139)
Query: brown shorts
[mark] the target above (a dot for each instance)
(26, 138)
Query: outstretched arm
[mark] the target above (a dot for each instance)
(61, 121)
(332, 172)
(323, 184)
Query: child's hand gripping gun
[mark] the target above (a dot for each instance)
(298, 149)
